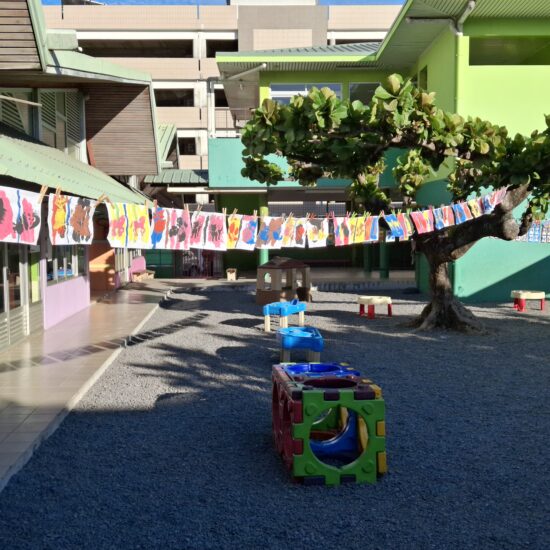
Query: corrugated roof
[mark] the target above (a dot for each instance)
(178, 176)
(25, 159)
(165, 137)
(357, 49)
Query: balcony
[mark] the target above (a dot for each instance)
(182, 117)
(193, 162)
(231, 119)
(162, 68)
(209, 68)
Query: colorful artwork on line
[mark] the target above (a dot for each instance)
(406, 225)
(70, 220)
(233, 229)
(159, 227)
(423, 221)
(178, 229)
(462, 212)
(289, 232)
(342, 231)
(443, 217)
(475, 207)
(247, 233)
(216, 232)
(198, 223)
(19, 216)
(359, 230)
(300, 233)
(138, 227)
(394, 225)
(270, 233)
(372, 229)
(118, 224)
(317, 233)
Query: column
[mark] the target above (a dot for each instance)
(384, 261)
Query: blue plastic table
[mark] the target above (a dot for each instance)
(284, 310)
(305, 338)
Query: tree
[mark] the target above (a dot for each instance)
(322, 136)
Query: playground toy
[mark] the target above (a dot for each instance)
(284, 310)
(372, 301)
(521, 296)
(302, 338)
(282, 279)
(328, 423)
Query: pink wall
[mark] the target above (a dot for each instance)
(137, 264)
(65, 299)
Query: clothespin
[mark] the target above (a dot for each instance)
(186, 206)
(255, 213)
(58, 191)
(224, 211)
(199, 208)
(291, 215)
(234, 212)
(43, 190)
(100, 199)
(155, 204)
(107, 200)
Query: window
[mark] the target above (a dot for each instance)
(363, 91)
(283, 93)
(175, 98)
(2, 265)
(65, 262)
(423, 79)
(187, 146)
(14, 276)
(81, 263)
(219, 99)
(214, 46)
(14, 114)
(137, 48)
(34, 274)
(510, 50)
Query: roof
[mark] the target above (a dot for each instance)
(179, 176)
(165, 136)
(279, 262)
(26, 159)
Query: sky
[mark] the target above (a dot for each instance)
(224, 2)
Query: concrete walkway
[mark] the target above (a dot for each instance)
(44, 376)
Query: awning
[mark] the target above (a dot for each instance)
(25, 159)
(175, 176)
(165, 136)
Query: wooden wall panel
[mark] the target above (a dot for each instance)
(119, 129)
(17, 44)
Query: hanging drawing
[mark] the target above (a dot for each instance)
(247, 233)
(270, 233)
(300, 233)
(372, 229)
(406, 225)
(178, 229)
(19, 216)
(342, 231)
(289, 232)
(475, 207)
(159, 227)
(70, 220)
(198, 226)
(395, 227)
(118, 223)
(462, 212)
(359, 229)
(317, 233)
(216, 232)
(423, 221)
(233, 229)
(443, 217)
(138, 226)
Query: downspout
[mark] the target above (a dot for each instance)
(458, 29)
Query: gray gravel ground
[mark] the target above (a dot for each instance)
(172, 446)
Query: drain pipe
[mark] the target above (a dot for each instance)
(459, 25)
(249, 71)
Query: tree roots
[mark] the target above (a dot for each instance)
(448, 315)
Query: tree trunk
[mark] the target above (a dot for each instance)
(444, 311)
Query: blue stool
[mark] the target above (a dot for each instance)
(305, 338)
(284, 310)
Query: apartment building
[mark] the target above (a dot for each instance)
(177, 45)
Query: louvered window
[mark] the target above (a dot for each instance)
(48, 108)
(74, 118)
(14, 114)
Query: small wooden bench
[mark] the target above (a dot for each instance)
(372, 301)
(521, 296)
(139, 276)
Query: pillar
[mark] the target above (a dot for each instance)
(384, 261)
(263, 255)
(367, 258)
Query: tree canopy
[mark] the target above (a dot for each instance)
(321, 135)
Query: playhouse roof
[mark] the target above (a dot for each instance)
(278, 262)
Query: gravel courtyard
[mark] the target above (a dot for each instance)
(172, 446)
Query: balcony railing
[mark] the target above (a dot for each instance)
(193, 162)
(162, 68)
(183, 117)
(231, 119)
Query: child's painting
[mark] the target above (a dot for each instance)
(139, 227)
(300, 233)
(19, 216)
(395, 227)
(178, 229)
(159, 227)
(118, 224)
(70, 220)
(406, 225)
(247, 233)
(475, 207)
(317, 233)
(372, 229)
(359, 230)
(423, 221)
(443, 217)
(489, 201)
(198, 225)
(270, 233)
(216, 232)
(462, 212)
(342, 231)
(233, 229)
(289, 232)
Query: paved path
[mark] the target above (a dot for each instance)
(171, 448)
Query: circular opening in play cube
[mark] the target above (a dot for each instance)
(331, 383)
(338, 436)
